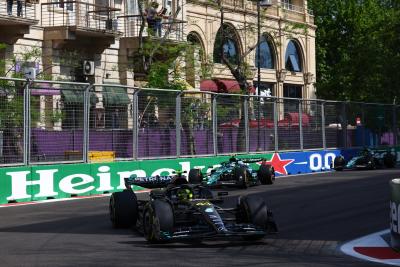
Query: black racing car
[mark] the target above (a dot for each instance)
(184, 211)
(235, 172)
(366, 159)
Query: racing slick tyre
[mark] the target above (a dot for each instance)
(253, 210)
(123, 209)
(339, 163)
(195, 176)
(372, 163)
(389, 160)
(158, 217)
(241, 177)
(266, 174)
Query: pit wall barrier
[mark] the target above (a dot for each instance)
(41, 182)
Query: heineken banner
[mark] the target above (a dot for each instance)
(29, 183)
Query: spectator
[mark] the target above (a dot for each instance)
(10, 5)
(154, 19)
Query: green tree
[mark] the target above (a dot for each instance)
(357, 49)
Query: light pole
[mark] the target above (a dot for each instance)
(258, 73)
(266, 4)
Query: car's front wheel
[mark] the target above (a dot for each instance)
(158, 220)
(241, 176)
(253, 210)
(266, 174)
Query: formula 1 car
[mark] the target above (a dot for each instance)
(181, 211)
(366, 159)
(235, 172)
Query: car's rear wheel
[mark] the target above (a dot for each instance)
(123, 209)
(389, 160)
(241, 176)
(158, 218)
(195, 176)
(339, 163)
(266, 174)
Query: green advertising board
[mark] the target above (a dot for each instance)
(63, 181)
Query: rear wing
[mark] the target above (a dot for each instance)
(254, 160)
(148, 182)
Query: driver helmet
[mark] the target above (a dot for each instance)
(185, 194)
(232, 159)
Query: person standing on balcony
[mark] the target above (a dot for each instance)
(154, 19)
(10, 5)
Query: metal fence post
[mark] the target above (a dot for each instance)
(344, 125)
(86, 114)
(246, 123)
(276, 126)
(214, 124)
(135, 127)
(301, 124)
(363, 124)
(178, 124)
(395, 125)
(323, 125)
(27, 124)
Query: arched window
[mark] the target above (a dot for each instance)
(266, 55)
(195, 41)
(227, 40)
(293, 57)
(194, 54)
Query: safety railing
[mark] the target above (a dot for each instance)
(170, 28)
(49, 122)
(79, 14)
(18, 9)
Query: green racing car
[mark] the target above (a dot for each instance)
(235, 172)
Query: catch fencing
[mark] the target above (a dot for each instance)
(54, 122)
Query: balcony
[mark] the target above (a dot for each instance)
(172, 33)
(172, 30)
(79, 25)
(297, 13)
(16, 20)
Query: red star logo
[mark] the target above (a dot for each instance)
(279, 164)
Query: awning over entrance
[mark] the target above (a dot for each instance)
(72, 94)
(222, 86)
(115, 96)
(208, 86)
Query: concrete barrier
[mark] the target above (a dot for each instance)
(395, 214)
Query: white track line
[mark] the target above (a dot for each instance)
(9, 205)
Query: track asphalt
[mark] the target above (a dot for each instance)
(316, 215)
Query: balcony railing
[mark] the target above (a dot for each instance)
(172, 29)
(234, 3)
(79, 14)
(18, 9)
(298, 9)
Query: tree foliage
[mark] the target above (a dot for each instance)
(357, 47)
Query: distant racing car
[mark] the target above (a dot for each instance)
(182, 211)
(235, 172)
(366, 159)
